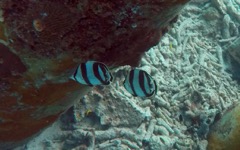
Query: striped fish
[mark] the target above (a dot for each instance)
(140, 83)
(92, 73)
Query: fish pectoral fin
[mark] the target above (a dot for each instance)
(72, 78)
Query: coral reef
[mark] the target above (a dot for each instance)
(42, 41)
(191, 65)
(194, 92)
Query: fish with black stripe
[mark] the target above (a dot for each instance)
(139, 83)
(92, 73)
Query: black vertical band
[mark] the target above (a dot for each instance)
(84, 74)
(131, 76)
(142, 81)
(96, 72)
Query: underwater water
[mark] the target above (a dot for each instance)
(197, 81)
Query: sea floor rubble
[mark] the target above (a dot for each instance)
(194, 91)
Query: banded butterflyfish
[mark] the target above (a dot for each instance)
(92, 73)
(139, 83)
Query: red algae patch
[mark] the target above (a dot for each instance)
(10, 63)
(2, 32)
(105, 31)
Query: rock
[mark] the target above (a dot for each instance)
(112, 112)
(225, 133)
(10, 65)
(105, 31)
(43, 44)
